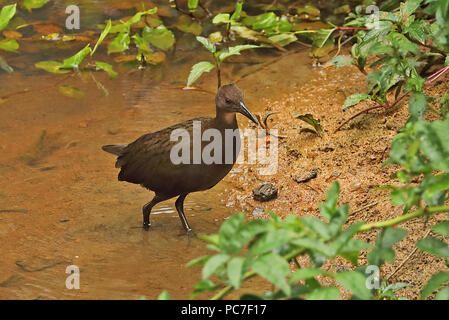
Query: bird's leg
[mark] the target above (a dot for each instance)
(146, 210)
(180, 208)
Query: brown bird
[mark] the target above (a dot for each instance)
(152, 162)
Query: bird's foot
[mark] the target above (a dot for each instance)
(146, 226)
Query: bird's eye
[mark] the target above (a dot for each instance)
(228, 100)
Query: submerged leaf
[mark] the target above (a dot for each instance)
(71, 92)
(159, 37)
(108, 68)
(51, 66)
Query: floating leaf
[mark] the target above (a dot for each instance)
(34, 4)
(71, 92)
(197, 70)
(159, 37)
(185, 24)
(9, 45)
(108, 68)
(119, 44)
(51, 66)
(102, 36)
(74, 61)
(6, 14)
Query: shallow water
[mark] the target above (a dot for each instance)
(60, 201)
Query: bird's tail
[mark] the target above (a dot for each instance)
(114, 149)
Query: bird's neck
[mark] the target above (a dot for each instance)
(226, 119)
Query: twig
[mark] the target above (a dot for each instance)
(365, 207)
(406, 259)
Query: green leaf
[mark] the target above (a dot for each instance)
(434, 283)
(192, 4)
(308, 118)
(443, 294)
(108, 68)
(434, 246)
(235, 271)
(51, 66)
(238, 10)
(142, 45)
(34, 4)
(417, 105)
(446, 63)
(221, 18)
(269, 241)
(356, 283)
(213, 264)
(306, 273)
(164, 295)
(9, 45)
(74, 61)
(6, 15)
(160, 37)
(283, 39)
(103, 35)
(324, 293)
(197, 261)
(355, 99)
(273, 268)
(329, 207)
(197, 70)
(383, 249)
(223, 54)
(124, 27)
(321, 37)
(441, 228)
(119, 44)
(319, 227)
(265, 21)
(207, 44)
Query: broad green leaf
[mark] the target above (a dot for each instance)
(197, 261)
(324, 293)
(164, 296)
(446, 63)
(6, 15)
(265, 21)
(34, 4)
(9, 45)
(71, 92)
(221, 18)
(213, 264)
(306, 273)
(328, 208)
(441, 228)
(321, 37)
(51, 66)
(124, 27)
(383, 251)
(283, 39)
(223, 54)
(315, 245)
(434, 246)
(103, 35)
(108, 68)
(119, 44)
(235, 271)
(443, 294)
(269, 241)
(238, 10)
(434, 283)
(192, 4)
(273, 268)
(355, 99)
(207, 44)
(74, 61)
(197, 70)
(142, 45)
(417, 105)
(160, 37)
(319, 227)
(356, 283)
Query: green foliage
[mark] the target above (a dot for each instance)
(34, 4)
(6, 15)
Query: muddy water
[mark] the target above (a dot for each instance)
(60, 201)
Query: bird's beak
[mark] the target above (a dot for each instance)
(244, 110)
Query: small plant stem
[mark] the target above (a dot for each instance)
(403, 218)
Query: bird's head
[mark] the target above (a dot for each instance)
(229, 99)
